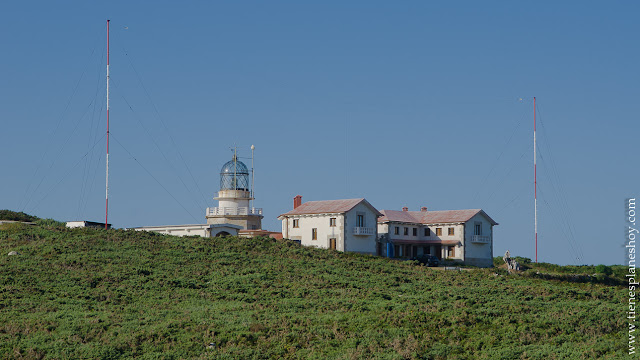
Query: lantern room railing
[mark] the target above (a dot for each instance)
(221, 211)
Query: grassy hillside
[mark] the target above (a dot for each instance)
(83, 293)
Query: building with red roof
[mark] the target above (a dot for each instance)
(343, 225)
(464, 236)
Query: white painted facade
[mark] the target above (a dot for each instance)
(352, 230)
(479, 244)
(91, 224)
(321, 222)
(234, 208)
(203, 230)
(361, 239)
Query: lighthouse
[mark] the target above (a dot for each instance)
(235, 197)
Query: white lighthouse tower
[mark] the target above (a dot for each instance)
(234, 198)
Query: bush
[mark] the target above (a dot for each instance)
(50, 223)
(604, 269)
(522, 260)
(16, 216)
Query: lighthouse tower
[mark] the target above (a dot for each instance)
(234, 198)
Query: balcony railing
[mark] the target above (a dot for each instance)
(364, 231)
(480, 239)
(213, 211)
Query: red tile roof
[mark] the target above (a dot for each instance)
(328, 207)
(431, 217)
(400, 216)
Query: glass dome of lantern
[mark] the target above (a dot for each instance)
(234, 175)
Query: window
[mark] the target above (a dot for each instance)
(438, 231)
(415, 231)
(314, 234)
(397, 230)
(477, 229)
(332, 222)
(451, 251)
(450, 231)
(396, 251)
(427, 232)
(406, 231)
(407, 251)
(296, 223)
(427, 250)
(360, 221)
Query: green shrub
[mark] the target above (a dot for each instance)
(50, 223)
(16, 216)
(604, 269)
(522, 260)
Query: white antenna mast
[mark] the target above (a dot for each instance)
(253, 177)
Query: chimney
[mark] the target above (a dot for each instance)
(405, 209)
(424, 208)
(297, 201)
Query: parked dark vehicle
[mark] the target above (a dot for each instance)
(429, 260)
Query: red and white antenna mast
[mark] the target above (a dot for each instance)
(535, 178)
(106, 208)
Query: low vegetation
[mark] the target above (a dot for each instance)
(85, 293)
(603, 274)
(16, 216)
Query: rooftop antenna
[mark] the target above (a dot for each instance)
(535, 178)
(106, 206)
(253, 177)
(235, 167)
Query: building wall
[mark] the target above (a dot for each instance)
(233, 198)
(176, 231)
(479, 254)
(361, 243)
(303, 232)
(248, 222)
(219, 229)
(343, 232)
(421, 241)
(90, 224)
(196, 230)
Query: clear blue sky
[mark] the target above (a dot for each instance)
(408, 103)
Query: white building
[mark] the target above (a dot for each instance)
(203, 230)
(343, 225)
(84, 223)
(233, 213)
(464, 236)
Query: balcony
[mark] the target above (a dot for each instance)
(363, 231)
(479, 239)
(221, 211)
